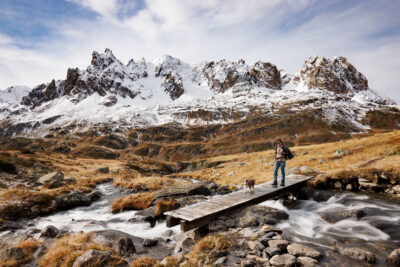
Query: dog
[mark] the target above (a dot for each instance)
(248, 183)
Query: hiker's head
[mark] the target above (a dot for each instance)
(279, 142)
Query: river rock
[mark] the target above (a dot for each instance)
(218, 253)
(258, 214)
(220, 261)
(199, 188)
(285, 260)
(112, 239)
(150, 242)
(393, 259)
(306, 262)
(248, 221)
(95, 195)
(72, 200)
(124, 246)
(186, 241)
(370, 187)
(255, 245)
(269, 228)
(92, 257)
(273, 251)
(300, 250)
(50, 231)
(246, 264)
(9, 225)
(356, 253)
(50, 177)
(281, 244)
(333, 215)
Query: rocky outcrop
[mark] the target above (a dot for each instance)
(336, 75)
(265, 74)
(112, 141)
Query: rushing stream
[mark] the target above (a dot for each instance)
(377, 231)
(98, 216)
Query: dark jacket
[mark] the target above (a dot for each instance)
(285, 152)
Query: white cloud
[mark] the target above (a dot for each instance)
(107, 8)
(209, 30)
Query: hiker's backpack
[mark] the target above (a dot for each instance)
(289, 154)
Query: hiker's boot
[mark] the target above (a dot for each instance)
(274, 183)
(282, 183)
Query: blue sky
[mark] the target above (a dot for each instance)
(40, 39)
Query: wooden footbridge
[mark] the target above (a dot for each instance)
(202, 213)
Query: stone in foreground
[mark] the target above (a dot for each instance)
(393, 260)
(285, 260)
(356, 253)
(300, 250)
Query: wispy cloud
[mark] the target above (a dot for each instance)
(284, 32)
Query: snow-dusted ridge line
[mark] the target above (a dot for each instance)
(141, 94)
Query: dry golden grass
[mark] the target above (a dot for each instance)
(170, 261)
(367, 152)
(137, 201)
(205, 245)
(163, 205)
(144, 262)
(151, 183)
(65, 250)
(28, 247)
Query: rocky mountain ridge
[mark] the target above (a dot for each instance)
(142, 94)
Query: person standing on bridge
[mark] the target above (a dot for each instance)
(281, 154)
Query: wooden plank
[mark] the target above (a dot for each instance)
(199, 214)
(172, 221)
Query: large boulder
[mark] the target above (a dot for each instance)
(258, 214)
(72, 200)
(300, 250)
(356, 253)
(51, 177)
(333, 215)
(125, 244)
(199, 188)
(393, 259)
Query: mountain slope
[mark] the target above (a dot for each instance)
(109, 94)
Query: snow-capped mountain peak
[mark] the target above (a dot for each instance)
(143, 93)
